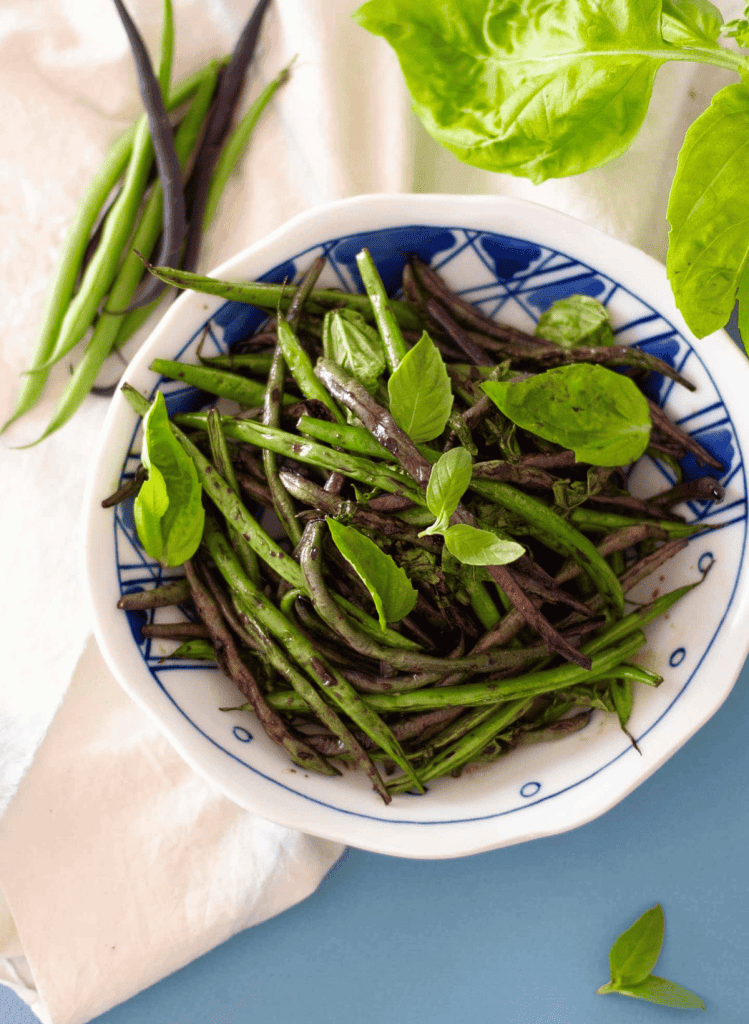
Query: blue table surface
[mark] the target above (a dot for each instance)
(514, 936)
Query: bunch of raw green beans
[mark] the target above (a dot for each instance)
(490, 657)
(186, 131)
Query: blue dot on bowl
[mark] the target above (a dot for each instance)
(530, 789)
(677, 657)
(241, 734)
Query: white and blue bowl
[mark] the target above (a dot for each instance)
(513, 259)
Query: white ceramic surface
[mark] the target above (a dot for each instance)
(513, 258)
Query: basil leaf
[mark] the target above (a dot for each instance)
(739, 28)
(664, 992)
(691, 23)
(168, 510)
(601, 415)
(539, 96)
(350, 342)
(577, 320)
(708, 242)
(420, 394)
(636, 951)
(473, 546)
(448, 483)
(391, 589)
(743, 317)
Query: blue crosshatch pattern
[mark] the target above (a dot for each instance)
(505, 270)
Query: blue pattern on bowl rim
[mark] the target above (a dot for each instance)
(507, 270)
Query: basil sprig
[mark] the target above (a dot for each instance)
(448, 483)
(632, 959)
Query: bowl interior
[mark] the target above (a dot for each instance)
(513, 272)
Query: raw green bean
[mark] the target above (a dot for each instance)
(557, 534)
(66, 272)
(270, 296)
(108, 325)
(236, 144)
(245, 392)
(217, 127)
(300, 365)
(152, 91)
(336, 686)
(102, 269)
(353, 439)
(392, 339)
(486, 610)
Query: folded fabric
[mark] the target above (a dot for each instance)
(118, 863)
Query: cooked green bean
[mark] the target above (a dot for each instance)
(300, 367)
(557, 534)
(353, 439)
(392, 339)
(223, 383)
(222, 460)
(291, 446)
(335, 685)
(270, 296)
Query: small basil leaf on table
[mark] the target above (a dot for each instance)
(350, 342)
(632, 958)
(601, 415)
(576, 320)
(473, 546)
(509, 91)
(168, 510)
(691, 23)
(391, 590)
(707, 211)
(420, 394)
(664, 992)
(448, 483)
(635, 953)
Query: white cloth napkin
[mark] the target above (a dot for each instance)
(118, 864)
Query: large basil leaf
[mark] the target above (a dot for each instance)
(707, 211)
(601, 415)
(421, 398)
(391, 589)
(530, 88)
(169, 514)
(691, 23)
